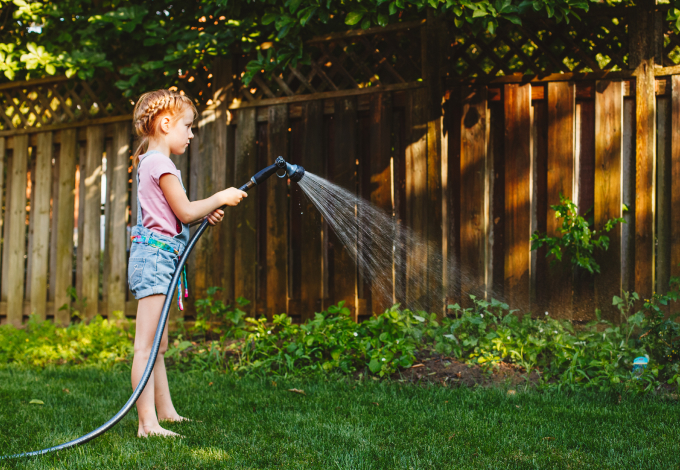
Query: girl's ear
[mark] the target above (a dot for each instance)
(165, 124)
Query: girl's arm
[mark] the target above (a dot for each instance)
(188, 211)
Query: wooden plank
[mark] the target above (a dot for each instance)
(379, 165)
(106, 175)
(473, 153)
(539, 267)
(196, 276)
(344, 278)
(451, 150)
(663, 194)
(675, 177)
(584, 282)
(276, 229)
(53, 226)
(40, 208)
(517, 195)
(71, 125)
(4, 214)
(116, 242)
(561, 111)
(30, 185)
(17, 232)
(90, 246)
(645, 158)
(65, 220)
(245, 214)
(311, 265)
(221, 271)
(608, 201)
(628, 196)
(435, 296)
(205, 247)
(416, 198)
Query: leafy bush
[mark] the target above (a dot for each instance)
(100, 343)
(578, 241)
(596, 356)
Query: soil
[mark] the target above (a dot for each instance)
(448, 371)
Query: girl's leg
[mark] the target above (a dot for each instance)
(148, 313)
(164, 406)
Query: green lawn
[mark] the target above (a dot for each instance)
(251, 423)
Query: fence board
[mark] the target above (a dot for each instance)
(116, 244)
(435, 297)
(222, 272)
(311, 266)
(451, 193)
(539, 262)
(473, 153)
(517, 194)
(561, 109)
(91, 176)
(663, 194)
(196, 276)
(53, 225)
(5, 228)
(628, 196)
(344, 276)
(205, 249)
(17, 232)
(40, 211)
(645, 153)
(675, 177)
(276, 194)
(3, 214)
(608, 203)
(380, 131)
(245, 214)
(416, 196)
(65, 218)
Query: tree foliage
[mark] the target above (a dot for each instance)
(148, 43)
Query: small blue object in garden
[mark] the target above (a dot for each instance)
(639, 365)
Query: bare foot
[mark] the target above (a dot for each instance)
(175, 419)
(156, 430)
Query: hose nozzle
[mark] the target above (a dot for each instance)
(294, 172)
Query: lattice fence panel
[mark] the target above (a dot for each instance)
(351, 62)
(538, 47)
(60, 102)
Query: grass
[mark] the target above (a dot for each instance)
(254, 423)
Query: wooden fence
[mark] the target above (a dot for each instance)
(471, 164)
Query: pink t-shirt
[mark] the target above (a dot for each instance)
(156, 212)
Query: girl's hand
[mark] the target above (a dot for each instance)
(232, 196)
(215, 216)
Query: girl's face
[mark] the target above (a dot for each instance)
(177, 132)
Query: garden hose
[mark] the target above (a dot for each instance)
(295, 173)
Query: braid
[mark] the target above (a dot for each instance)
(151, 106)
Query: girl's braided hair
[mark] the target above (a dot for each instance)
(150, 107)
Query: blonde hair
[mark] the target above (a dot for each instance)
(150, 107)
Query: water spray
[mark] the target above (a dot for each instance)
(295, 174)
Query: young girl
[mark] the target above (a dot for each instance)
(163, 120)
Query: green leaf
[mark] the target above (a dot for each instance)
(374, 366)
(354, 17)
(36, 402)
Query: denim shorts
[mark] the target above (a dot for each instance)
(150, 270)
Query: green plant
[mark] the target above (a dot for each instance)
(578, 241)
(214, 316)
(70, 307)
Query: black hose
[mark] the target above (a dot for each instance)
(152, 357)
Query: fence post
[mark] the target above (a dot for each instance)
(646, 49)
